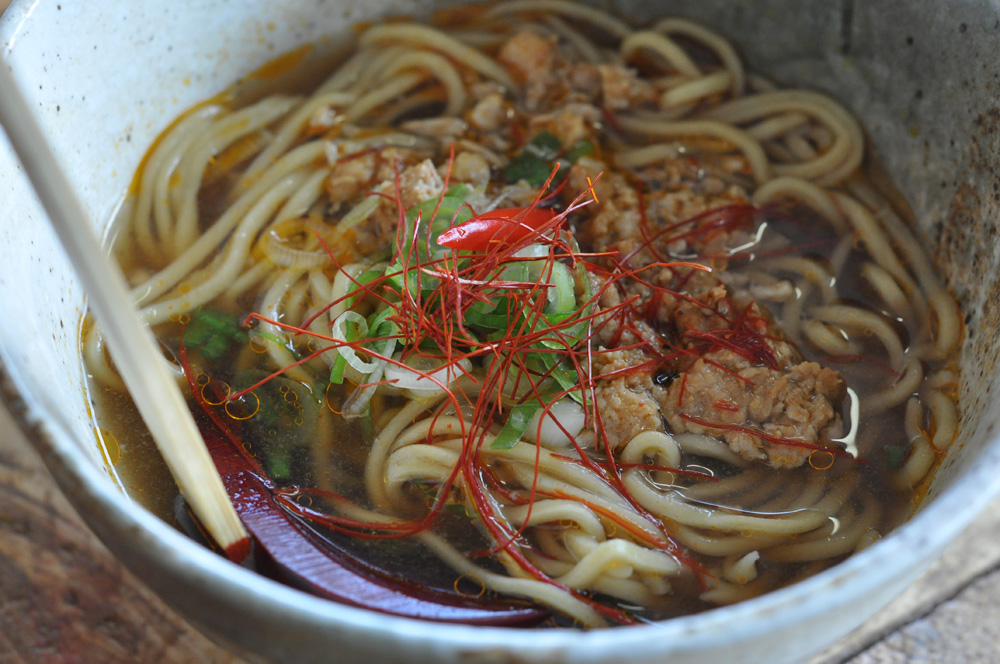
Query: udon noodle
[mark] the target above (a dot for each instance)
(631, 322)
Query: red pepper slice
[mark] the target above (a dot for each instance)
(500, 227)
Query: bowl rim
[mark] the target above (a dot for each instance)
(948, 512)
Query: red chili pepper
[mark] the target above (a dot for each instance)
(502, 226)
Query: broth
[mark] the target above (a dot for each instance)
(460, 243)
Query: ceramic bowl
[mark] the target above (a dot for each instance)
(106, 78)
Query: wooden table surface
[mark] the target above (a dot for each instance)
(63, 597)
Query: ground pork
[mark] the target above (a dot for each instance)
(733, 364)
(624, 394)
(725, 388)
(416, 184)
(622, 88)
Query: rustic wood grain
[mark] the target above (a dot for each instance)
(63, 597)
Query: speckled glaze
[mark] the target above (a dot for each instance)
(106, 78)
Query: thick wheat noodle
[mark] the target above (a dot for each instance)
(321, 288)
(378, 456)
(436, 40)
(844, 541)
(627, 522)
(792, 313)
(778, 152)
(815, 197)
(165, 191)
(730, 593)
(97, 362)
(743, 569)
(715, 544)
(568, 475)
(670, 505)
(777, 125)
(439, 425)
(441, 68)
(949, 325)
(897, 392)
(702, 445)
(741, 140)
(295, 301)
(289, 132)
(299, 203)
(649, 154)
(734, 485)
(221, 133)
(311, 255)
(250, 277)
(403, 106)
(583, 46)
(882, 252)
(348, 73)
(416, 462)
(807, 268)
(942, 379)
(839, 161)
(886, 287)
(799, 147)
(918, 462)
(387, 91)
(750, 498)
(555, 511)
(270, 306)
(210, 240)
(691, 91)
(829, 339)
(792, 495)
(723, 49)
(371, 70)
(945, 417)
(511, 585)
(664, 114)
(236, 251)
(598, 18)
(554, 555)
(867, 321)
(874, 238)
(614, 552)
(158, 168)
(663, 46)
(658, 443)
(604, 554)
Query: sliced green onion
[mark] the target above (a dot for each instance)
(279, 466)
(340, 332)
(544, 145)
(213, 333)
(582, 148)
(895, 455)
(533, 164)
(518, 419)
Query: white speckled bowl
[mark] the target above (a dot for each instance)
(106, 78)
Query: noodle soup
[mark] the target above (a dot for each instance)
(573, 313)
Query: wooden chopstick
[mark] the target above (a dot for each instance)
(132, 345)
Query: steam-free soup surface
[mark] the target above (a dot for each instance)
(536, 304)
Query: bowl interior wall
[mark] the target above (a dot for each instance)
(933, 122)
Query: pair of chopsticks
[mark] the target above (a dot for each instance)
(132, 345)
